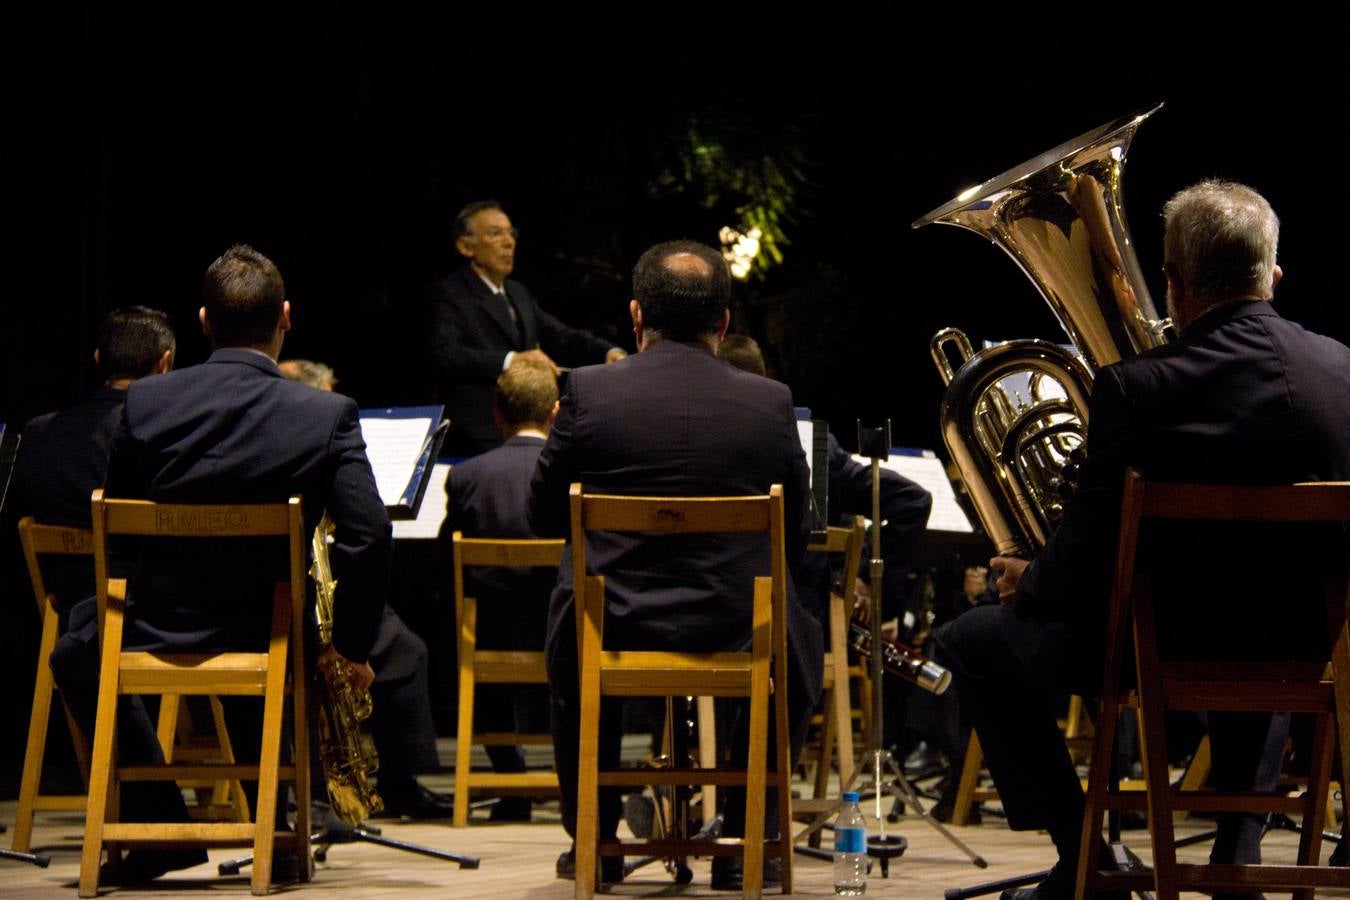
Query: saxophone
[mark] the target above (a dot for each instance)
(347, 755)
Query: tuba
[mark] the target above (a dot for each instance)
(1014, 415)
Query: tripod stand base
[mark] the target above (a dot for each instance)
(886, 847)
(41, 860)
(359, 834)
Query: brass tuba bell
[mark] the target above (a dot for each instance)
(1015, 414)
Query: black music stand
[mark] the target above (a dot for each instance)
(886, 775)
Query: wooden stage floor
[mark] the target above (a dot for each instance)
(517, 861)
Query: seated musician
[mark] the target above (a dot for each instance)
(232, 430)
(486, 498)
(63, 456)
(1243, 396)
(671, 420)
(400, 722)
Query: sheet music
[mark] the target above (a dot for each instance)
(926, 471)
(393, 446)
(806, 434)
(427, 525)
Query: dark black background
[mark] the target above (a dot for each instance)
(141, 143)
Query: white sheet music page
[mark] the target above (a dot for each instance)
(427, 525)
(926, 471)
(393, 446)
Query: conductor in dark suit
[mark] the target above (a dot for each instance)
(673, 420)
(232, 430)
(1243, 396)
(481, 321)
(63, 456)
(487, 497)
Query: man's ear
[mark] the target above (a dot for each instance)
(553, 413)
(1175, 284)
(206, 326)
(726, 323)
(163, 364)
(96, 359)
(284, 323)
(636, 312)
(463, 246)
(1275, 275)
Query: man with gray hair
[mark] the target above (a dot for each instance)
(1243, 396)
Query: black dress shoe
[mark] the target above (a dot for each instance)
(611, 867)
(140, 866)
(728, 872)
(511, 809)
(415, 802)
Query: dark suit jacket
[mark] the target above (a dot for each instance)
(233, 430)
(1243, 396)
(471, 333)
(62, 459)
(487, 498)
(676, 421)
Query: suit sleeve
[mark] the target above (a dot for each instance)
(362, 541)
(548, 511)
(1070, 579)
(566, 345)
(454, 356)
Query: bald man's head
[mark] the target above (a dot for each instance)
(683, 288)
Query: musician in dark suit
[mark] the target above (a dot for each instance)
(233, 430)
(63, 456)
(400, 721)
(672, 420)
(1243, 396)
(480, 321)
(487, 496)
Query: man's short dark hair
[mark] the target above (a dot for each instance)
(132, 340)
(243, 294)
(683, 287)
(743, 352)
(461, 224)
(526, 392)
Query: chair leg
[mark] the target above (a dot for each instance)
(587, 802)
(707, 751)
(1099, 786)
(1315, 799)
(269, 757)
(468, 640)
(102, 769)
(753, 868)
(970, 780)
(38, 721)
(236, 796)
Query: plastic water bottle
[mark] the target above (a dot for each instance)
(850, 849)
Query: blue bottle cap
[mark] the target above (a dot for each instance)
(850, 796)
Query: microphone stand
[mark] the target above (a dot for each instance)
(876, 761)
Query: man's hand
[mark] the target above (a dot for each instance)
(614, 355)
(1010, 570)
(537, 356)
(359, 677)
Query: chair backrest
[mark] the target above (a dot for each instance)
(1288, 504)
(500, 552)
(682, 515)
(143, 518)
(56, 540)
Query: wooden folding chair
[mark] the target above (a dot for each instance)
(494, 667)
(228, 673)
(836, 728)
(1321, 688)
(667, 673)
(42, 540)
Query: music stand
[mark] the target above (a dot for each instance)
(876, 761)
